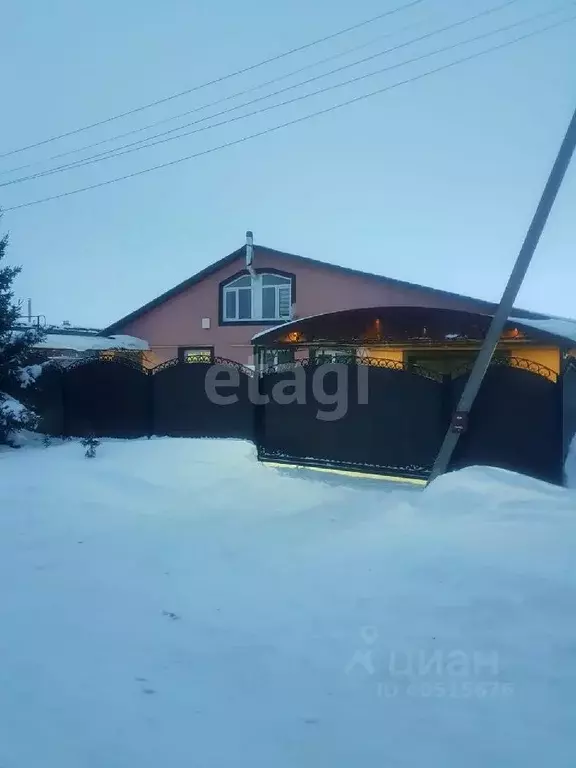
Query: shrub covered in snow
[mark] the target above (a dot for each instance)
(90, 443)
(28, 375)
(14, 417)
(14, 357)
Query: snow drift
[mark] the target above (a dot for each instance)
(173, 602)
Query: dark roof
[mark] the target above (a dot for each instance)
(264, 251)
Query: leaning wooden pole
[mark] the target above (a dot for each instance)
(460, 418)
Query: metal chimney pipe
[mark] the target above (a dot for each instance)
(250, 253)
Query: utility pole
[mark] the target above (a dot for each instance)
(460, 418)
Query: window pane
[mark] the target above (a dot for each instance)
(269, 303)
(285, 355)
(445, 362)
(197, 355)
(278, 356)
(242, 282)
(245, 304)
(335, 356)
(284, 301)
(274, 280)
(230, 305)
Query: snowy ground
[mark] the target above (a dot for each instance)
(173, 602)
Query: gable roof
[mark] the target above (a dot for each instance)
(261, 250)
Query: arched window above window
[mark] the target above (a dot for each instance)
(265, 296)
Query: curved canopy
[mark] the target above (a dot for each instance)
(410, 325)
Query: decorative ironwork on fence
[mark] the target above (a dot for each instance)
(513, 362)
(353, 359)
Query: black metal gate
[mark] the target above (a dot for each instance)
(203, 399)
(515, 422)
(370, 415)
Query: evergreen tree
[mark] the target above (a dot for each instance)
(15, 350)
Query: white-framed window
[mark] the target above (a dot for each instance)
(263, 297)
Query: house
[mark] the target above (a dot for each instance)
(216, 312)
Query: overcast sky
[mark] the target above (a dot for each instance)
(434, 182)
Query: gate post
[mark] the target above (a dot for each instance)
(567, 387)
(65, 415)
(62, 419)
(151, 416)
(259, 413)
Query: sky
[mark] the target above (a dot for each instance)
(433, 182)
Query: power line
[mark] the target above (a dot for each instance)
(302, 119)
(147, 143)
(132, 148)
(215, 81)
(222, 100)
(115, 151)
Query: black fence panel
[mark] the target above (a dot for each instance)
(106, 398)
(379, 417)
(203, 399)
(368, 415)
(515, 422)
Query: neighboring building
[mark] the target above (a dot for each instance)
(67, 342)
(217, 311)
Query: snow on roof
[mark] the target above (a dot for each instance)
(79, 339)
(84, 343)
(559, 326)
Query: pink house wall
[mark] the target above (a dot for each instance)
(178, 322)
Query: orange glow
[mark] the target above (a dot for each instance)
(512, 333)
(293, 336)
(373, 330)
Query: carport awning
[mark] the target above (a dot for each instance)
(408, 324)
